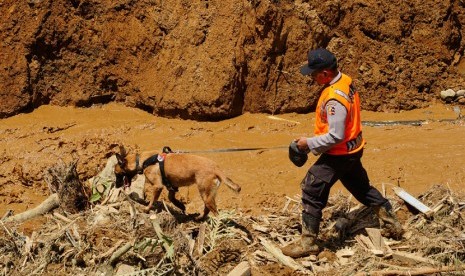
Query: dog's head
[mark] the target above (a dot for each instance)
(123, 174)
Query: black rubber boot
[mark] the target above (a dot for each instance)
(388, 220)
(306, 246)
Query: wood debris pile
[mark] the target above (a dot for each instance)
(115, 237)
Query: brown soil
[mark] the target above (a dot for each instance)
(231, 62)
(413, 157)
(211, 60)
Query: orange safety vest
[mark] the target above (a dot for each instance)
(343, 92)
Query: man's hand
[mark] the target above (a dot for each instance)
(302, 144)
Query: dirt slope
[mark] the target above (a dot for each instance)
(210, 60)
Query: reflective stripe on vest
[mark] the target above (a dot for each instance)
(343, 92)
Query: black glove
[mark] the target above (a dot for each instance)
(297, 156)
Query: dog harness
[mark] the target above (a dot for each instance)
(160, 159)
(165, 181)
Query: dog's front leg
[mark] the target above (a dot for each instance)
(153, 188)
(153, 196)
(175, 201)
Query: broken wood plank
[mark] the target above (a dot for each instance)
(263, 255)
(260, 228)
(416, 271)
(276, 252)
(201, 239)
(368, 245)
(376, 238)
(60, 216)
(361, 242)
(412, 201)
(410, 258)
(191, 245)
(242, 269)
(365, 241)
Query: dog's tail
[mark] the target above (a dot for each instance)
(233, 186)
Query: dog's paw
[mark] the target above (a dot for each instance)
(200, 218)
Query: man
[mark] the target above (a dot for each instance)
(339, 142)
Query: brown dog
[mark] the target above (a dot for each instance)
(180, 169)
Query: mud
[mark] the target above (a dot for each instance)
(413, 157)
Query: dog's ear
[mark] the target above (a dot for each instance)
(121, 160)
(122, 151)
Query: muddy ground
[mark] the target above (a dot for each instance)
(424, 152)
(413, 157)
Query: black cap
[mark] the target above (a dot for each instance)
(318, 59)
(296, 156)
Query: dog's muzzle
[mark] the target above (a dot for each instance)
(123, 180)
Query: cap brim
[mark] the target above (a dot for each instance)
(305, 70)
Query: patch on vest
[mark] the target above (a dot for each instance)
(331, 109)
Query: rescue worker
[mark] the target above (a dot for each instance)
(339, 142)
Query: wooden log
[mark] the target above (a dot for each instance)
(242, 269)
(410, 258)
(7, 214)
(201, 239)
(46, 206)
(416, 271)
(276, 252)
(60, 216)
(120, 252)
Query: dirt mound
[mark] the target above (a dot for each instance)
(214, 60)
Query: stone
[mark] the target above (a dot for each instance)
(460, 93)
(447, 95)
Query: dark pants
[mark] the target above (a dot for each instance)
(330, 168)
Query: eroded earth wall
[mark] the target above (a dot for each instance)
(211, 60)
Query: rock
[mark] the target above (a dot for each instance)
(460, 93)
(125, 269)
(447, 95)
